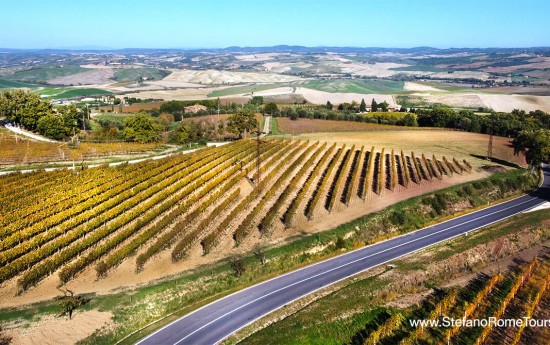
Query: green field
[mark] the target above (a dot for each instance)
(8, 84)
(411, 101)
(53, 92)
(43, 74)
(133, 74)
(274, 127)
(356, 86)
(81, 92)
(237, 90)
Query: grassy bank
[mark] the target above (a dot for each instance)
(274, 127)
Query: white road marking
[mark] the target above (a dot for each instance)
(360, 259)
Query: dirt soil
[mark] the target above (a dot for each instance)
(225, 77)
(321, 97)
(59, 330)
(461, 145)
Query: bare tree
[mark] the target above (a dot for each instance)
(237, 265)
(259, 253)
(70, 302)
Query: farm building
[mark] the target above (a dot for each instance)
(194, 108)
(391, 107)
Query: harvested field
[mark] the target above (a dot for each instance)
(258, 57)
(300, 126)
(257, 89)
(507, 103)
(136, 107)
(439, 142)
(171, 84)
(536, 91)
(382, 70)
(449, 99)
(410, 86)
(226, 77)
(321, 97)
(187, 94)
(358, 86)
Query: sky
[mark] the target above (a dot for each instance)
(116, 24)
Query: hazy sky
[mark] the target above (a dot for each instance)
(223, 23)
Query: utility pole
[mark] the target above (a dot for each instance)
(490, 145)
(257, 177)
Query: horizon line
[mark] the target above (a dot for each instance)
(98, 48)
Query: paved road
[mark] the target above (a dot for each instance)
(267, 125)
(218, 320)
(32, 135)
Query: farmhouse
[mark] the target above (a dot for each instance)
(394, 107)
(194, 108)
(391, 108)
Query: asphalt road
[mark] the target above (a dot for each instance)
(219, 319)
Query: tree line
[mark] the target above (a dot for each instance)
(29, 111)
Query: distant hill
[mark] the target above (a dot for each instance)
(287, 48)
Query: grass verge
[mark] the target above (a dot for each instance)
(274, 127)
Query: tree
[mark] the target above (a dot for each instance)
(184, 134)
(51, 126)
(408, 120)
(240, 122)
(259, 253)
(257, 100)
(292, 114)
(329, 105)
(70, 302)
(373, 106)
(172, 107)
(271, 108)
(166, 119)
(363, 106)
(237, 265)
(535, 145)
(141, 128)
(383, 106)
(72, 118)
(23, 107)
